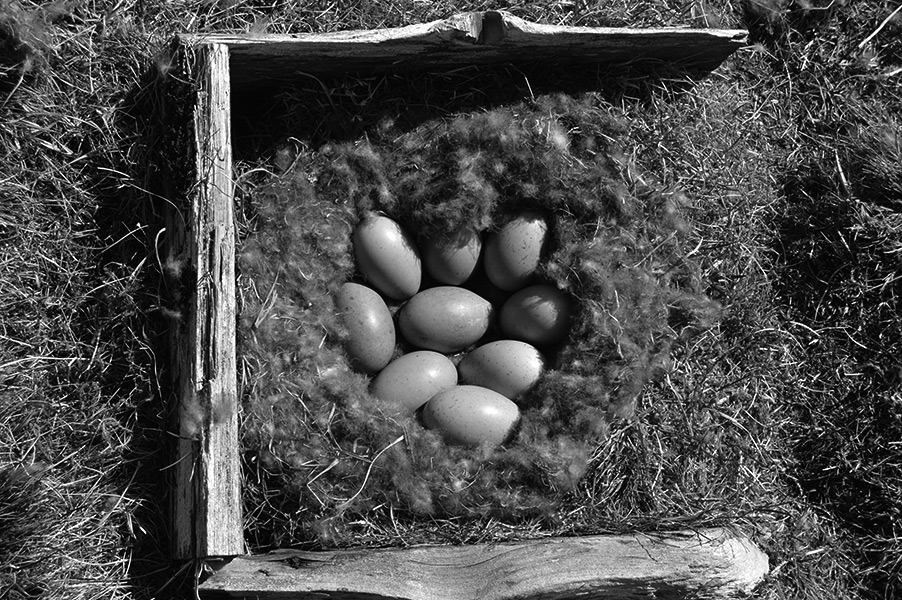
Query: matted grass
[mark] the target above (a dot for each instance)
(786, 419)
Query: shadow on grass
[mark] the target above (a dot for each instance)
(320, 110)
(135, 196)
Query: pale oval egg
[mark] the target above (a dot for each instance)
(387, 257)
(470, 415)
(451, 260)
(445, 319)
(509, 367)
(371, 331)
(513, 253)
(410, 380)
(538, 314)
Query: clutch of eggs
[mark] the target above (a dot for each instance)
(469, 399)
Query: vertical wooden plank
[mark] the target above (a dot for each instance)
(207, 498)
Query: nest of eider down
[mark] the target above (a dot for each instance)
(329, 462)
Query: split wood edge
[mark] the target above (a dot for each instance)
(489, 37)
(711, 563)
(206, 506)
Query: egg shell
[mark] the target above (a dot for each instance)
(412, 379)
(387, 257)
(470, 415)
(513, 253)
(509, 367)
(445, 319)
(538, 314)
(371, 331)
(451, 260)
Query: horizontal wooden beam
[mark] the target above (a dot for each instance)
(471, 38)
(710, 564)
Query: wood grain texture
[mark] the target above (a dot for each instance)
(206, 507)
(471, 38)
(706, 564)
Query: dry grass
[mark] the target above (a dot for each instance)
(785, 420)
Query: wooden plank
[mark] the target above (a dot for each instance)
(471, 38)
(709, 564)
(206, 510)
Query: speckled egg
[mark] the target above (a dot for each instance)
(513, 253)
(371, 331)
(509, 367)
(412, 379)
(470, 415)
(387, 257)
(445, 319)
(538, 314)
(451, 260)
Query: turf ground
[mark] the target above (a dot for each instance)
(791, 408)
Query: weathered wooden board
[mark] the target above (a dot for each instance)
(467, 39)
(706, 564)
(206, 506)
